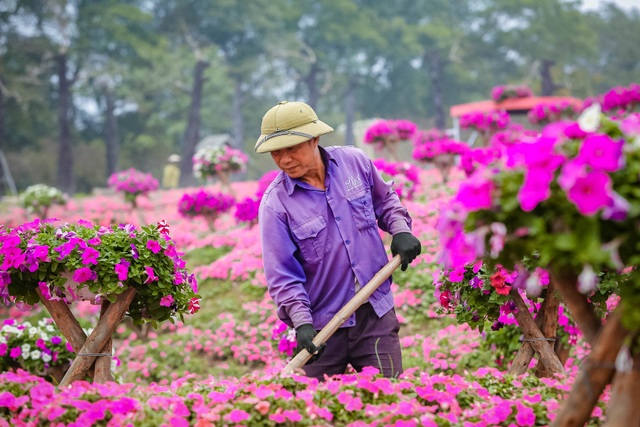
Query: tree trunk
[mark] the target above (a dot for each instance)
(192, 132)
(238, 121)
(111, 133)
(64, 172)
(436, 70)
(350, 111)
(548, 86)
(311, 81)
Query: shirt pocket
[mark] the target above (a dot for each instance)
(362, 210)
(311, 238)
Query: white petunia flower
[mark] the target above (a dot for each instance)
(33, 330)
(587, 280)
(25, 348)
(46, 358)
(35, 354)
(589, 120)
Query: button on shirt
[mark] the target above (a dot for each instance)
(317, 243)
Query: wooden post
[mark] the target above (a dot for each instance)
(549, 326)
(546, 356)
(622, 409)
(341, 316)
(596, 373)
(521, 362)
(65, 321)
(103, 363)
(99, 337)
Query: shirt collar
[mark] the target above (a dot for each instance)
(290, 183)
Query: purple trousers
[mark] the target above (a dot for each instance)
(373, 341)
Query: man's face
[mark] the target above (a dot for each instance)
(298, 160)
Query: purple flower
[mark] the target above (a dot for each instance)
(134, 251)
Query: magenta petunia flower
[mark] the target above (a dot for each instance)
(475, 194)
(15, 352)
(84, 274)
(90, 256)
(151, 275)
(591, 193)
(602, 153)
(154, 246)
(535, 189)
(122, 269)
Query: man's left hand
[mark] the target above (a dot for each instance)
(408, 246)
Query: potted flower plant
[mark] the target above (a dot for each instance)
(37, 348)
(65, 261)
(40, 197)
(205, 204)
(218, 162)
(132, 183)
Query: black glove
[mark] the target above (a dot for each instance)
(408, 246)
(304, 337)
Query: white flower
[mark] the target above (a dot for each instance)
(50, 328)
(44, 336)
(533, 285)
(25, 348)
(589, 120)
(587, 280)
(46, 358)
(35, 354)
(3, 340)
(33, 330)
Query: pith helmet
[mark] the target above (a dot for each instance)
(288, 124)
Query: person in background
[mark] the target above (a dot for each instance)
(319, 223)
(171, 172)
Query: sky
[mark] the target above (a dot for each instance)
(623, 4)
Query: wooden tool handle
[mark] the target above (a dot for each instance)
(345, 312)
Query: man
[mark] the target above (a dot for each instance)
(320, 242)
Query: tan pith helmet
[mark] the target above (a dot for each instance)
(288, 124)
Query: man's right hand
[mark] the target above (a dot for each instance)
(304, 337)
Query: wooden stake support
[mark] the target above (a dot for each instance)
(547, 318)
(99, 338)
(534, 336)
(341, 316)
(596, 373)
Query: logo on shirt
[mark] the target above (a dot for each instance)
(353, 183)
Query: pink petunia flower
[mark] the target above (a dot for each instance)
(166, 301)
(122, 269)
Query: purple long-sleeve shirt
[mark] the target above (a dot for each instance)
(316, 243)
